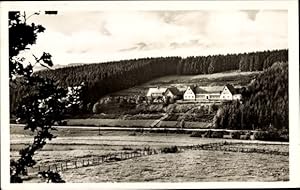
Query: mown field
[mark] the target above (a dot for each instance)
(131, 123)
(209, 82)
(187, 166)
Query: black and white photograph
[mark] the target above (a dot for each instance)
(149, 93)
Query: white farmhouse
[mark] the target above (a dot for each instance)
(229, 93)
(189, 94)
(156, 92)
(195, 93)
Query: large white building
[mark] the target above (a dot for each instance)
(195, 93)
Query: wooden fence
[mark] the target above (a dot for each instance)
(229, 147)
(125, 155)
(92, 161)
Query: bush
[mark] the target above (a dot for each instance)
(147, 148)
(126, 148)
(268, 136)
(96, 108)
(132, 134)
(245, 136)
(235, 135)
(196, 134)
(217, 134)
(207, 134)
(171, 149)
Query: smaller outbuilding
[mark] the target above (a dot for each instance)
(173, 93)
(156, 92)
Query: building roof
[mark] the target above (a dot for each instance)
(231, 88)
(156, 90)
(199, 90)
(174, 91)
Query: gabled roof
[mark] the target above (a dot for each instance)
(231, 88)
(199, 90)
(174, 91)
(157, 90)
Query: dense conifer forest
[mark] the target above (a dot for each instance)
(103, 78)
(265, 103)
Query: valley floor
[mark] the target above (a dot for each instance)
(189, 166)
(186, 166)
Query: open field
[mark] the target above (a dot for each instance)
(131, 123)
(215, 77)
(187, 166)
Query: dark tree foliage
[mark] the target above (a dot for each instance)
(52, 177)
(265, 103)
(42, 101)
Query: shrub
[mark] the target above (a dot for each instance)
(284, 135)
(245, 136)
(207, 134)
(132, 134)
(217, 134)
(171, 149)
(96, 107)
(260, 135)
(126, 148)
(196, 134)
(268, 136)
(147, 148)
(235, 135)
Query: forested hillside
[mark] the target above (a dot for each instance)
(103, 78)
(265, 103)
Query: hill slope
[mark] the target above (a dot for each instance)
(104, 78)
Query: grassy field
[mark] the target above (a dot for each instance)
(186, 166)
(209, 82)
(189, 166)
(131, 123)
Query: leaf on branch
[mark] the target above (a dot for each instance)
(40, 28)
(46, 58)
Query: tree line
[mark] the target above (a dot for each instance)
(104, 78)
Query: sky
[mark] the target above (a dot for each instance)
(100, 36)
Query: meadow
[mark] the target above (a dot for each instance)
(186, 166)
(189, 166)
(130, 123)
(209, 82)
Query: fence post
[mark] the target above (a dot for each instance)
(39, 168)
(66, 164)
(75, 163)
(61, 166)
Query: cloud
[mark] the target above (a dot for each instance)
(111, 35)
(251, 14)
